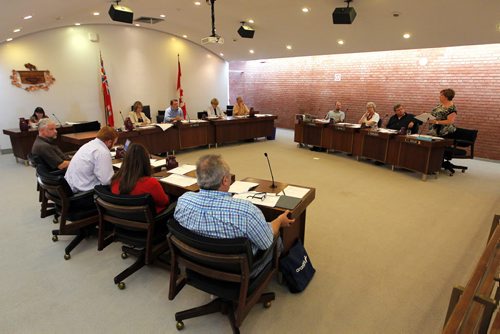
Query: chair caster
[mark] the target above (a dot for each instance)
(179, 325)
(67, 256)
(55, 220)
(55, 238)
(124, 255)
(267, 304)
(121, 285)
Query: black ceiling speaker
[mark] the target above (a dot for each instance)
(343, 15)
(246, 31)
(121, 14)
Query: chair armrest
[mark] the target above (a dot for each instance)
(463, 143)
(83, 195)
(167, 212)
(265, 255)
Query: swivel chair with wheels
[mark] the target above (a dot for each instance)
(76, 213)
(462, 148)
(132, 220)
(221, 267)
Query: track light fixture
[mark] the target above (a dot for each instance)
(121, 13)
(245, 31)
(343, 15)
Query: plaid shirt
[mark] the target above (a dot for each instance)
(216, 214)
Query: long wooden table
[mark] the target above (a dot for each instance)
(290, 234)
(182, 135)
(395, 150)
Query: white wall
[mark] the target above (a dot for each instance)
(141, 64)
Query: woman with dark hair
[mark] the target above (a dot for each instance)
(38, 114)
(134, 177)
(445, 114)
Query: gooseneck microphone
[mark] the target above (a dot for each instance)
(57, 119)
(271, 170)
(122, 116)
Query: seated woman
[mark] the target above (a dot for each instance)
(370, 117)
(445, 114)
(38, 114)
(137, 116)
(134, 177)
(214, 109)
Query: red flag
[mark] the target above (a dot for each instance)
(180, 92)
(108, 108)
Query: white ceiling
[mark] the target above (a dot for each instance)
(281, 22)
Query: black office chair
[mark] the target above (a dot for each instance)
(202, 114)
(133, 221)
(77, 213)
(462, 148)
(221, 267)
(161, 116)
(87, 126)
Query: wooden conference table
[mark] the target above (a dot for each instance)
(180, 136)
(290, 234)
(396, 150)
(192, 134)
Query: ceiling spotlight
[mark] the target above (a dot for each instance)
(28, 17)
(340, 42)
(8, 39)
(246, 31)
(289, 47)
(121, 13)
(251, 51)
(406, 36)
(251, 21)
(343, 15)
(17, 30)
(185, 36)
(221, 54)
(163, 16)
(96, 13)
(305, 10)
(77, 23)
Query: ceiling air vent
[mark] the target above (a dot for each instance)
(148, 20)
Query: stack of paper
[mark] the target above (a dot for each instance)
(179, 180)
(294, 191)
(241, 186)
(184, 169)
(164, 126)
(158, 163)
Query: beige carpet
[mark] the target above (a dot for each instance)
(387, 247)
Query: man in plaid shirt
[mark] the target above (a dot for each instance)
(212, 212)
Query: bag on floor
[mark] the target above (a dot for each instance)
(297, 268)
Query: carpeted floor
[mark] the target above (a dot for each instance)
(387, 247)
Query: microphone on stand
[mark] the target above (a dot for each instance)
(57, 119)
(383, 118)
(273, 185)
(122, 117)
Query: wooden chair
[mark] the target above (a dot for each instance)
(221, 267)
(133, 221)
(76, 213)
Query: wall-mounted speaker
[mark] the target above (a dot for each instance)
(121, 14)
(343, 15)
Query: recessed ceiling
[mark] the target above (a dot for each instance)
(279, 23)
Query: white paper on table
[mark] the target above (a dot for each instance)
(262, 115)
(192, 121)
(184, 169)
(424, 117)
(113, 154)
(416, 136)
(241, 186)
(179, 180)
(158, 163)
(320, 120)
(164, 126)
(383, 130)
(117, 165)
(144, 127)
(294, 191)
(270, 200)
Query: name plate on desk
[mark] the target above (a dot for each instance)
(340, 128)
(412, 141)
(373, 133)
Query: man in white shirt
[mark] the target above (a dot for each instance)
(92, 165)
(337, 115)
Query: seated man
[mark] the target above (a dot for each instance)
(212, 212)
(401, 119)
(173, 113)
(45, 148)
(92, 165)
(337, 115)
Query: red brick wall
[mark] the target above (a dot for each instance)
(289, 86)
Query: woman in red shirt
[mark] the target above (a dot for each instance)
(134, 177)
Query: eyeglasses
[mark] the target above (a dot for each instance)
(261, 196)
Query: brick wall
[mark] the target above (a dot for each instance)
(289, 86)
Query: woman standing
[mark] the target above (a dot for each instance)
(445, 114)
